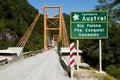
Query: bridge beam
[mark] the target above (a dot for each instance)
(45, 46)
(52, 23)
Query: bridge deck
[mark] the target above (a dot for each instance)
(44, 66)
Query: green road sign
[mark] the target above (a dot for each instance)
(89, 25)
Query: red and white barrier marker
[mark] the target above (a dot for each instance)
(72, 61)
(72, 50)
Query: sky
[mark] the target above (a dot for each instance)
(67, 5)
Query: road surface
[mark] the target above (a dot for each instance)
(43, 66)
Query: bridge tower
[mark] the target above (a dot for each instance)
(52, 22)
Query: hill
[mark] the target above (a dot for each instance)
(17, 15)
(110, 46)
(15, 18)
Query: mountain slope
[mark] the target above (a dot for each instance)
(15, 17)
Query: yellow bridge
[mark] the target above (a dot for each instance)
(51, 23)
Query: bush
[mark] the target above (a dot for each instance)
(114, 71)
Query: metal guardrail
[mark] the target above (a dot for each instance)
(3, 61)
(31, 53)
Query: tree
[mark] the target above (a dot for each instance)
(111, 51)
(17, 15)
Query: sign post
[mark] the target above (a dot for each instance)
(72, 62)
(78, 58)
(89, 25)
(100, 55)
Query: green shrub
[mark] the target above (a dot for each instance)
(114, 71)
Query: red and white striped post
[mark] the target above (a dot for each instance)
(72, 61)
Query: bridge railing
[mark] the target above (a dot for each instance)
(31, 53)
(27, 34)
(65, 37)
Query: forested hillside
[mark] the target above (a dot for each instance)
(15, 17)
(110, 46)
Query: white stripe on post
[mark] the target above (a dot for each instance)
(71, 44)
(72, 50)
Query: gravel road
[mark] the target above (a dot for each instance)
(44, 66)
